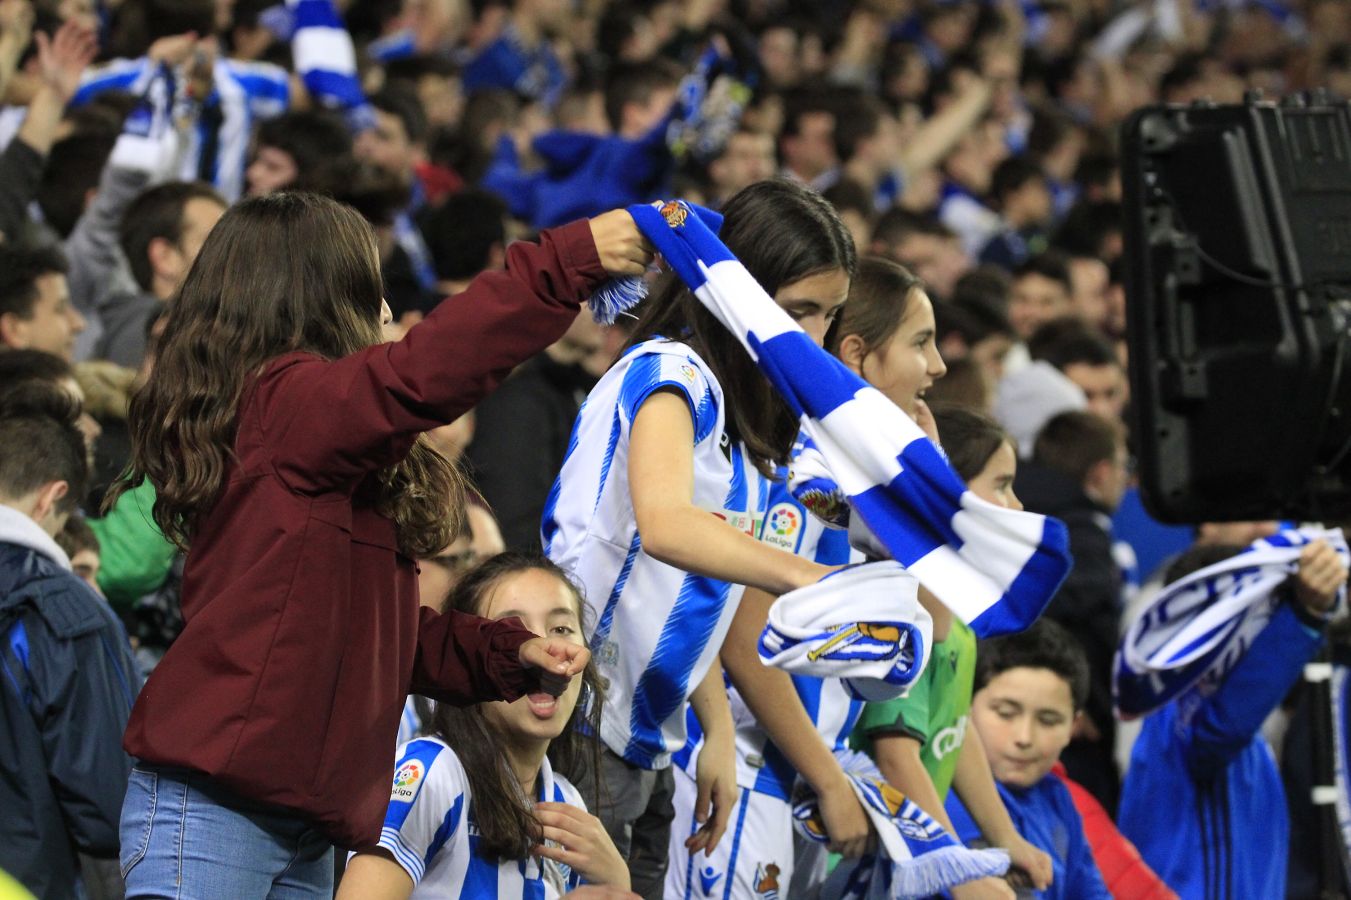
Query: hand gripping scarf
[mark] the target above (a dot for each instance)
(1199, 627)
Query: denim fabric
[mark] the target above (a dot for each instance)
(187, 839)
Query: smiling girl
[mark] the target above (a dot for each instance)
(472, 800)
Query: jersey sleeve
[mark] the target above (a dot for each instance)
(652, 371)
(426, 805)
(906, 716)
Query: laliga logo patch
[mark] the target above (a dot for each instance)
(782, 526)
(675, 213)
(688, 372)
(406, 780)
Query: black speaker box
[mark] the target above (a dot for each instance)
(1238, 280)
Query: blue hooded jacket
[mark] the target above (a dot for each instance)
(67, 683)
(1203, 800)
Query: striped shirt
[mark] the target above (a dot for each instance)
(431, 832)
(243, 93)
(762, 766)
(657, 628)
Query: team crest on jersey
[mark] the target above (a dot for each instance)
(406, 780)
(708, 879)
(782, 526)
(675, 213)
(767, 881)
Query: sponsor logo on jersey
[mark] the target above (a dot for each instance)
(708, 879)
(406, 780)
(949, 739)
(782, 526)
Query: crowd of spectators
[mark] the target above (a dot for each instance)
(975, 143)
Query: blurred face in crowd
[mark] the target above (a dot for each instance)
(640, 118)
(54, 322)
(442, 98)
(271, 170)
(1035, 300)
(1024, 717)
(438, 574)
(994, 483)
(85, 564)
(1090, 277)
(906, 364)
(1104, 387)
(387, 145)
(748, 158)
(811, 151)
(83, 12)
(989, 354)
(173, 260)
(1108, 480)
(487, 533)
(1030, 205)
(779, 56)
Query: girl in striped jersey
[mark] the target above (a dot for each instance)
(794, 726)
(471, 801)
(657, 510)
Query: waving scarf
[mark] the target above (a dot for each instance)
(1200, 626)
(995, 568)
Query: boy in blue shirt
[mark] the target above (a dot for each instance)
(1203, 800)
(1030, 688)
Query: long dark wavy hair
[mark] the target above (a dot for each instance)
(781, 232)
(505, 817)
(285, 272)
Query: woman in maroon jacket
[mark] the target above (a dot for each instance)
(282, 438)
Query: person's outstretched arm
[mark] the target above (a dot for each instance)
(329, 423)
(1228, 719)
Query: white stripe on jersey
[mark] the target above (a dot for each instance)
(430, 831)
(657, 629)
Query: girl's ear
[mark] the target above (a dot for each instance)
(852, 353)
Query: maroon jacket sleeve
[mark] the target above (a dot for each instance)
(463, 659)
(329, 423)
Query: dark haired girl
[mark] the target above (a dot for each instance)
(281, 437)
(480, 807)
(659, 505)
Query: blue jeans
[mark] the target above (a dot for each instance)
(188, 839)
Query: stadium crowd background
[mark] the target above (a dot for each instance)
(975, 143)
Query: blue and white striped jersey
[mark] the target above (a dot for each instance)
(243, 94)
(657, 629)
(761, 766)
(430, 831)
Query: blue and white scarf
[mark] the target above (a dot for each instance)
(915, 856)
(995, 568)
(863, 625)
(326, 61)
(1199, 627)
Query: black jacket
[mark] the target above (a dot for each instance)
(1088, 604)
(67, 682)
